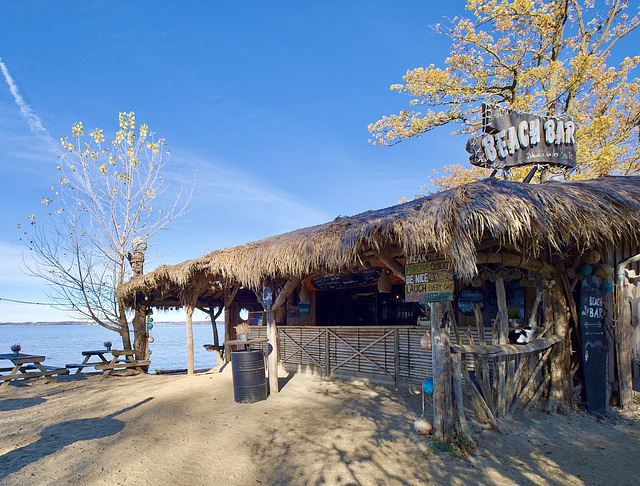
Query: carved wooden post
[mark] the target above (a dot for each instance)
(139, 322)
(443, 421)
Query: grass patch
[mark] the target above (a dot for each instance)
(458, 447)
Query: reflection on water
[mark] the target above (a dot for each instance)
(63, 344)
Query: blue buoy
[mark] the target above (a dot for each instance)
(606, 287)
(585, 270)
(149, 326)
(427, 386)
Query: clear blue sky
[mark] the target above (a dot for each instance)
(269, 101)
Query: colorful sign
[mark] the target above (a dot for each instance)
(512, 139)
(428, 278)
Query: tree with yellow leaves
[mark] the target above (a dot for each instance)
(550, 57)
(96, 224)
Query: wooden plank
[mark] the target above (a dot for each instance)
(128, 364)
(507, 349)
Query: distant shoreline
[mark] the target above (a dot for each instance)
(77, 323)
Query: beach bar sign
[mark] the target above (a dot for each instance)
(512, 138)
(428, 278)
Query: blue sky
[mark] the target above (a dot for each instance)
(269, 101)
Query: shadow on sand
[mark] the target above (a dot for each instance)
(19, 403)
(56, 437)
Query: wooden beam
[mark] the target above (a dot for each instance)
(511, 260)
(507, 349)
(392, 264)
(286, 291)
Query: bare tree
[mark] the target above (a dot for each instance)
(102, 209)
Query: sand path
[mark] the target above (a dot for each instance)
(180, 430)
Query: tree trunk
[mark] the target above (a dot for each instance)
(443, 411)
(140, 336)
(124, 326)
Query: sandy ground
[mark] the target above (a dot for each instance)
(180, 430)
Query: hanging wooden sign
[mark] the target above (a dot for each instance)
(513, 138)
(428, 278)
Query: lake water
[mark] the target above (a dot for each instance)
(63, 344)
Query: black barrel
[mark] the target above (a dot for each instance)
(249, 379)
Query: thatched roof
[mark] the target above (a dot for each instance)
(529, 218)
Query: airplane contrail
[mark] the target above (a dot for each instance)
(35, 124)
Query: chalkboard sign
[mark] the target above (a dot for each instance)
(594, 345)
(339, 281)
(469, 296)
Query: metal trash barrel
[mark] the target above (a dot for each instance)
(249, 378)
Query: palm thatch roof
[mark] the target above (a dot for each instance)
(528, 218)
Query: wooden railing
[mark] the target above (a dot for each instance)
(383, 354)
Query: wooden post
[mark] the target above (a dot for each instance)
(443, 423)
(229, 293)
(272, 352)
(188, 309)
(502, 334)
(560, 390)
(623, 336)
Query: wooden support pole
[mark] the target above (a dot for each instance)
(443, 424)
(229, 293)
(272, 351)
(188, 309)
(624, 333)
(501, 331)
(560, 390)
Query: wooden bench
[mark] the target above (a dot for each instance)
(119, 364)
(47, 373)
(61, 371)
(79, 366)
(122, 364)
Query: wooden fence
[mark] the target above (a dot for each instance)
(383, 354)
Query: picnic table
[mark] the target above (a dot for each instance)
(100, 353)
(27, 366)
(128, 361)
